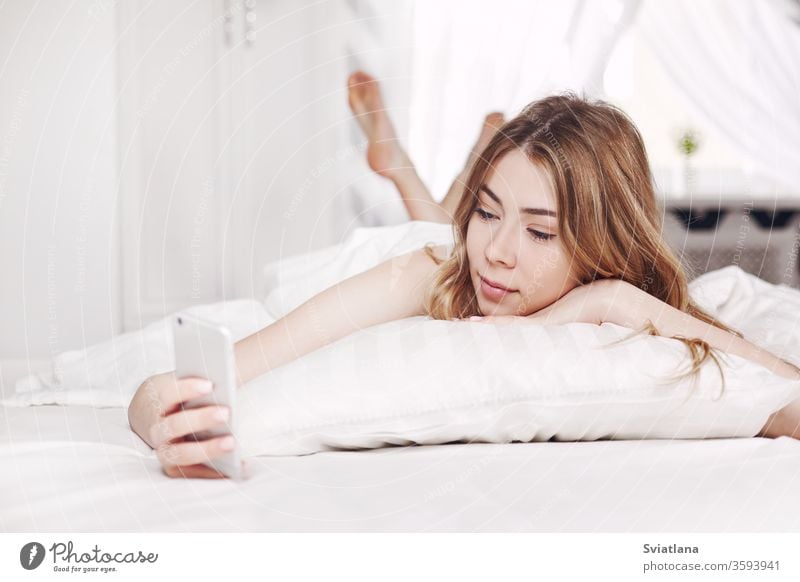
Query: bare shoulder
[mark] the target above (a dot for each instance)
(441, 252)
(426, 268)
(423, 265)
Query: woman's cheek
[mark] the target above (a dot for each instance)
(527, 302)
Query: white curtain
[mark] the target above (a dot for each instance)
(471, 57)
(738, 65)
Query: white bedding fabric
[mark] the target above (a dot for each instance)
(80, 469)
(291, 281)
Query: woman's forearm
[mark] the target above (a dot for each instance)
(639, 306)
(391, 290)
(279, 343)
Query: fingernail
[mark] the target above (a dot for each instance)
(204, 387)
(475, 318)
(221, 414)
(227, 443)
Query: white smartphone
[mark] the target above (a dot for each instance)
(204, 349)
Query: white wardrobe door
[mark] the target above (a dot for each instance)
(281, 140)
(57, 178)
(172, 209)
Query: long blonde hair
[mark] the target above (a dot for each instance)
(601, 176)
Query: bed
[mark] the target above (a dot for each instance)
(73, 467)
(81, 469)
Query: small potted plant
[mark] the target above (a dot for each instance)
(688, 144)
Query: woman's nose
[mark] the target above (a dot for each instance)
(502, 247)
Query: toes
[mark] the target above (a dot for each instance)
(353, 79)
(359, 78)
(495, 119)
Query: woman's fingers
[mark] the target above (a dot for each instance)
(175, 432)
(192, 472)
(187, 422)
(193, 452)
(200, 471)
(169, 393)
(176, 393)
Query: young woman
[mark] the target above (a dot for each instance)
(557, 223)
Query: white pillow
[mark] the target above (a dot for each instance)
(767, 314)
(423, 381)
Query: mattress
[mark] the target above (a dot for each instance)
(81, 469)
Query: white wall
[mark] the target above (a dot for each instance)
(57, 177)
(645, 92)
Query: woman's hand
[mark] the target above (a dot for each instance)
(156, 415)
(596, 302)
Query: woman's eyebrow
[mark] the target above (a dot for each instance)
(534, 211)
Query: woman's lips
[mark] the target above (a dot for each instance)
(493, 293)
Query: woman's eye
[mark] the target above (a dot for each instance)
(538, 235)
(483, 214)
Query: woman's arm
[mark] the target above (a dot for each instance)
(618, 302)
(629, 306)
(392, 290)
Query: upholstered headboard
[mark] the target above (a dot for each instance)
(759, 236)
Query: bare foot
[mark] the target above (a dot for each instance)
(384, 154)
(491, 123)
(784, 422)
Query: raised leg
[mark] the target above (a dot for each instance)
(385, 155)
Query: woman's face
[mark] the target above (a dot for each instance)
(513, 240)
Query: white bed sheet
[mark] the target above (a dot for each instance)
(81, 469)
